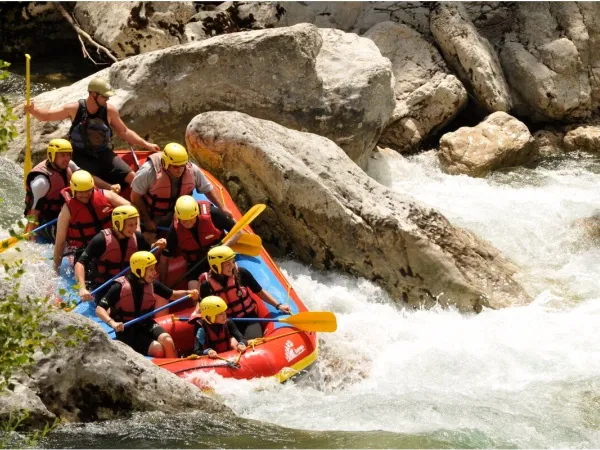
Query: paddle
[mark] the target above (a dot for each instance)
(247, 244)
(11, 241)
(245, 220)
(321, 321)
(151, 313)
(27, 160)
(122, 272)
(135, 158)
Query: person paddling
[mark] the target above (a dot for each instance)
(44, 184)
(161, 180)
(197, 226)
(232, 284)
(87, 211)
(217, 333)
(110, 250)
(132, 296)
(93, 121)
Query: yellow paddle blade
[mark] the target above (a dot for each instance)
(7, 243)
(248, 244)
(245, 220)
(321, 321)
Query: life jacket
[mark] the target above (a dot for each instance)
(124, 310)
(111, 262)
(49, 206)
(217, 337)
(90, 133)
(190, 244)
(87, 220)
(238, 299)
(160, 200)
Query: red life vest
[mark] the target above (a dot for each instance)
(124, 310)
(193, 246)
(160, 200)
(87, 220)
(49, 206)
(111, 262)
(216, 336)
(238, 299)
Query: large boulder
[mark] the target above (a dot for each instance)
(583, 138)
(470, 55)
(332, 215)
(551, 60)
(499, 141)
(428, 97)
(324, 81)
(131, 28)
(98, 379)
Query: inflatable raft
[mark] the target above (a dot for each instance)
(282, 352)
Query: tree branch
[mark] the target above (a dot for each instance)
(87, 37)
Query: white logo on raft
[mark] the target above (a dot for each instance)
(291, 352)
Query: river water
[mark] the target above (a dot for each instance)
(389, 377)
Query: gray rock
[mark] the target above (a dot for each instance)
(325, 81)
(131, 28)
(584, 138)
(428, 97)
(330, 214)
(548, 143)
(551, 60)
(102, 379)
(499, 141)
(470, 55)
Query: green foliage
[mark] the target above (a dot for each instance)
(7, 129)
(9, 438)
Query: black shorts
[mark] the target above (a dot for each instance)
(140, 337)
(250, 330)
(105, 165)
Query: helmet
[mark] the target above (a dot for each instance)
(81, 181)
(211, 306)
(186, 208)
(140, 261)
(58, 146)
(174, 154)
(218, 255)
(122, 213)
(101, 86)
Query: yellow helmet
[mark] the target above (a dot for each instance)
(211, 306)
(121, 213)
(100, 86)
(186, 208)
(58, 146)
(174, 154)
(140, 261)
(81, 181)
(218, 255)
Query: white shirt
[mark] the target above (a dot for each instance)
(40, 185)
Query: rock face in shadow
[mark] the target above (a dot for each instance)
(98, 379)
(498, 142)
(324, 81)
(428, 97)
(330, 214)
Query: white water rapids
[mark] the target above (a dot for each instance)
(525, 377)
(518, 377)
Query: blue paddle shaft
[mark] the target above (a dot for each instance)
(47, 224)
(250, 319)
(151, 313)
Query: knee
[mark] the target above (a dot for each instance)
(166, 339)
(156, 350)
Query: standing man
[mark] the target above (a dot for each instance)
(161, 180)
(93, 122)
(43, 200)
